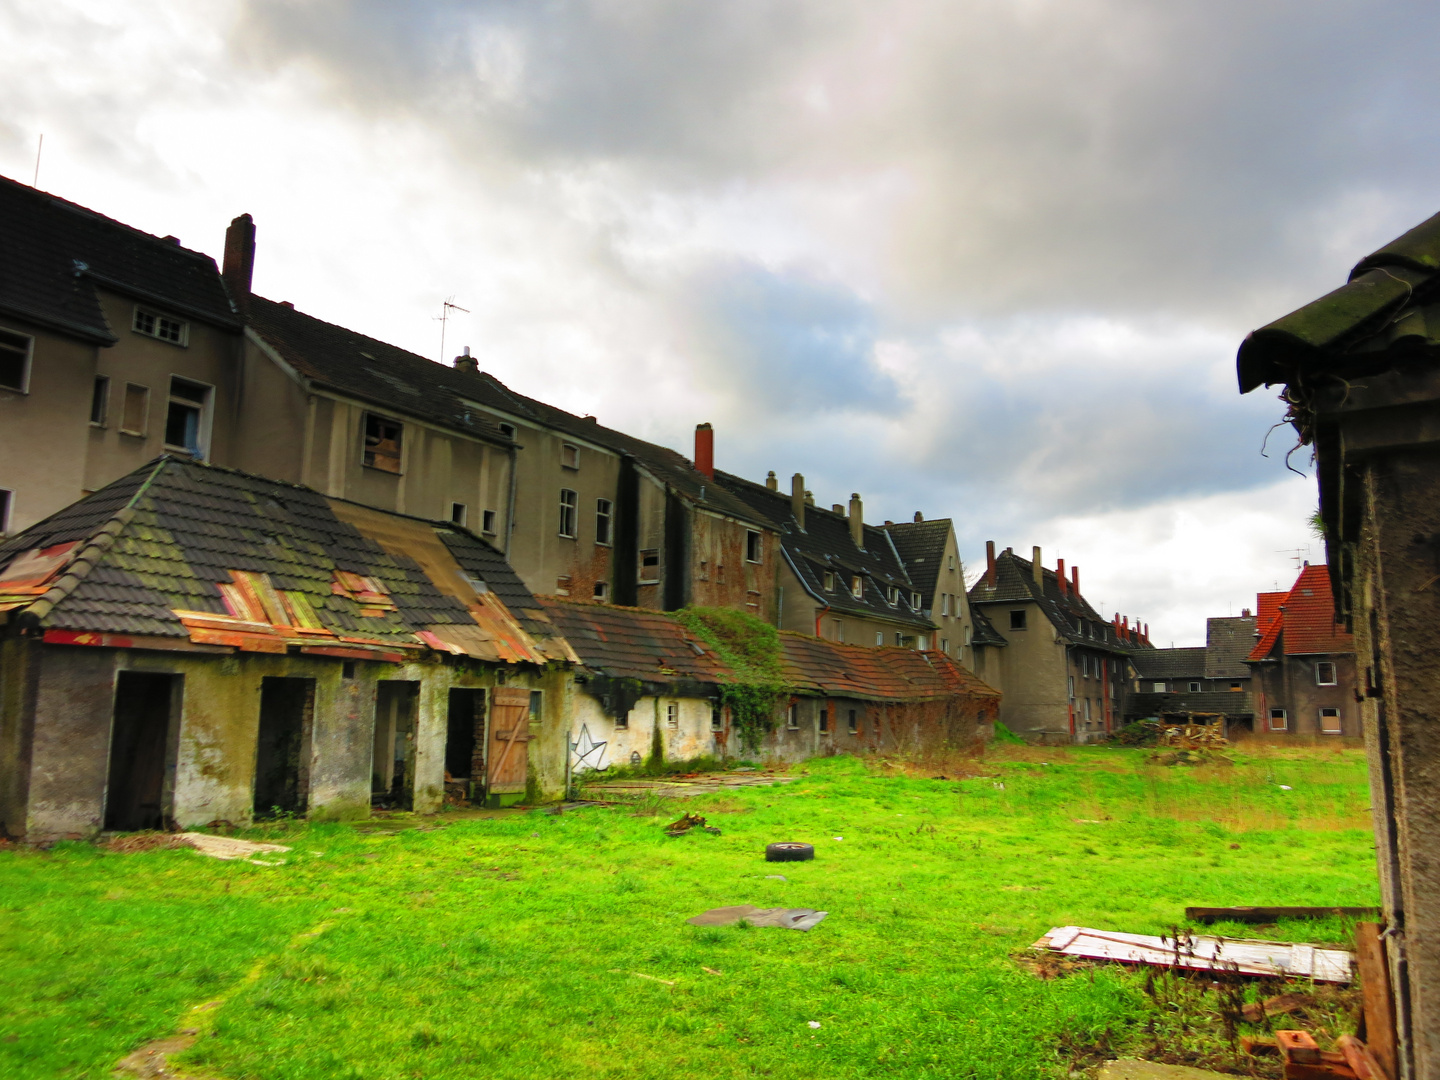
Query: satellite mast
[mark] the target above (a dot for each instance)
(448, 306)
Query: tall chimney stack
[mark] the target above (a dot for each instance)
(239, 265)
(1075, 580)
(989, 564)
(857, 520)
(1037, 567)
(705, 451)
(1060, 575)
(771, 483)
(467, 363)
(797, 499)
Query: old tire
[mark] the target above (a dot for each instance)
(788, 852)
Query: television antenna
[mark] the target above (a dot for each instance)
(444, 317)
(1301, 555)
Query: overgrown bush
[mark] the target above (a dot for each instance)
(751, 649)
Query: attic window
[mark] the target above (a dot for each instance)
(753, 549)
(915, 600)
(829, 581)
(382, 443)
(508, 430)
(15, 352)
(1017, 620)
(569, 456)
(892, 594)
(162, 327)
(857, 587)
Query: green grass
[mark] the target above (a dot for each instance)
(514, 946)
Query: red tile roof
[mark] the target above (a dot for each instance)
(632, 643)
(1267, 606)
(889, 674)
(1303, 622)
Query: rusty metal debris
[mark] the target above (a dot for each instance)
(788, 918)
(1271, 958)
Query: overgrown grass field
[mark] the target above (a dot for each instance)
(538, 945)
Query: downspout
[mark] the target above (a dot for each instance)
(510, 508)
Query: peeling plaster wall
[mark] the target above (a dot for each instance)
(71, 743)
(690, 738)
(19, 673)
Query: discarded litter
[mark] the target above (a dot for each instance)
(814, 1023)
(686, 822)
(226, 847)
(1285, 787)
(776, 877)
(788, 918)
(788, 851)
(1274, 958)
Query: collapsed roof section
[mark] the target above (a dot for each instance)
(184, 555)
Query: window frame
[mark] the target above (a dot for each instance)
(1282, 715)
(754, 546)
(569, 513)
(829, 581)
(487, 522)
(1157, 687)
(604, 516)
(1018, 619)
(672, 714)
(857, 587)
(570, 456)
(879, 638)
(27, 364)
(654, 567)
(182, 340)
(1320, 666)
(600, 590)
(1331, 710)
(144, 428)
(792, 717)
(462, 516)
(202, 408)
(100, 396)
(368, 455)
(1194, 688)
(853, 722)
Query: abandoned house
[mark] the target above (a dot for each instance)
(1361, 371)
(1304, 664)
(1210, 681)
(1064, 670)
(193, 644)
(931, 556)
(647, 687)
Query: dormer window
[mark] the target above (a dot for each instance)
(569, 456)
(857, 587)
(915, 600)
(152, 324)
(829, 581)
(892, 594)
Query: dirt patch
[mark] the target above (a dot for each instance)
(133, 843)
(152, 1059)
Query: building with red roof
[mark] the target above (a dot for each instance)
(1304, 662)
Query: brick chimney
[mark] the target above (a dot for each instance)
(1037, 567)
(467, 363)
(919, 516)
(1244, 613)
(857, 520)
(1075, 580)
(705, 450)
(989, 564)
(239, 265)
(797, 499)
(1060, 575)
(771, 483)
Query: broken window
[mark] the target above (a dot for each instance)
(569, 456)
(508, 430)
(1330, 721)
(649, 566)
(458, 513)
(99, 400)
(603, 516)
(601, 590)
(382, 443)
(857, 587)
(1017, 620)
(185, 416)
(753, 549)
(487, 522)
(137, 409)
(1325, 673)
(792, 717)
(15, 351)
(161, 326)
(1278, 721)
(569, 505)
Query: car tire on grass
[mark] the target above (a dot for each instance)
(788, 852)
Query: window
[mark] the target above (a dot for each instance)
(622, 722)
(945, 645)
(603, 510)
(569, 456)
(1157, 688)
(1194, 688)
(1277, 720)
(900, 639)
(837, 631)
(1325, 673)
(792, 717)
(892, 594)
(382, 443)
(672, 714)
(137, 409)
(649, 566)
(717, 718)
(824, 719)
(6, 499)
(1071, 680)
(15, 352)
(161, 326)
(1085, 665)
(1330, 721)
(185, 416)
(99, 400)
(854, 722)
(829, 581)
(945, 604)
(1087, 710)
(950, 562)
(601, 590)
(857, 587)
(1017, 620)
(969, 635)
(508, 430)
(879, 638)
(487, 522)
(915, 601)
(569, 502)
(535, 702)
(753, 550)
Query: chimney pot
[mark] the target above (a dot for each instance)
(467, 362)
(1037, 567)
(809, 498)
(770, 482)
(857, 520)
(919, 516)
(238, 266)
(989, 564)
(839, 508)
(705, 450)
(797, 499)
(1245, 613)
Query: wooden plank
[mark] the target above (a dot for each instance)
(1375, 991)
(1361, 1061)
(1201, 953)
(1273, 914)
(1298, 1046)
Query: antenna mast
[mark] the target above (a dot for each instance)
(448, 306)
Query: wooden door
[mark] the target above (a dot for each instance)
(508, 758)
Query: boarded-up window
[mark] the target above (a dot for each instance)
(382, 443)
(1277, 720)
(649, 566)
(569, 456)
(1330, 721)
(137, 409)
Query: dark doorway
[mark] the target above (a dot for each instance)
(282, 754)
(138, 741)
(393, 772)
(465, 742)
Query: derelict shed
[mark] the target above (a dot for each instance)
(192, 644)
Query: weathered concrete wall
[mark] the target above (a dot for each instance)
(19, 676)
(1034, 670)
(722, 576)
(691, 737)
(71, 743)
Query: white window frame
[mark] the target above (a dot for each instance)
(1320, 666)
(605, 511)
(672, 714)
(1339, 721)
(829, 581)
(487, 522)
(600, 590)
(1158, 688)
(28, 363)
(569, 512)
(857, 587)
(1277, 714)
(879, 638)
(1194, 688)
(945, 605)
(182, 338)
(892, 595)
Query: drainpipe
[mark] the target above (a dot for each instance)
(510, 510)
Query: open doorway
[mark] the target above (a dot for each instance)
(392, 779)
(465, 746)
(282, 752)
(145, 708)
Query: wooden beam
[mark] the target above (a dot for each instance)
(1272, 914)
(1375, 990)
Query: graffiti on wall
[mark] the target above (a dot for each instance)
(589, 755)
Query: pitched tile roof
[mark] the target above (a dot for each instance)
(54, 253)
(179, 544)
(1188, 663)
(984, 632)
(1267, 607)
(1304, 623)
(921, 546)
(816, 666)
(825, 545)
(634, 643)
(1070, 614)
(1230, 702)
(1227, 642)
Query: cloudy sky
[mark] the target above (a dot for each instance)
(989, 259)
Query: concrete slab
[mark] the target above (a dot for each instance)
(1135, 1069)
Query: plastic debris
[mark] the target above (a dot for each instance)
(814, 1023)
(788, 918)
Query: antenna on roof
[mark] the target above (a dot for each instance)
(448, 306)
(1299, 554)
(38, 147)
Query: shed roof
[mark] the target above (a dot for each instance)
(1234, 703)
(54, 254)
(634, 643)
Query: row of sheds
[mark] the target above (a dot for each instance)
(192, 644)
